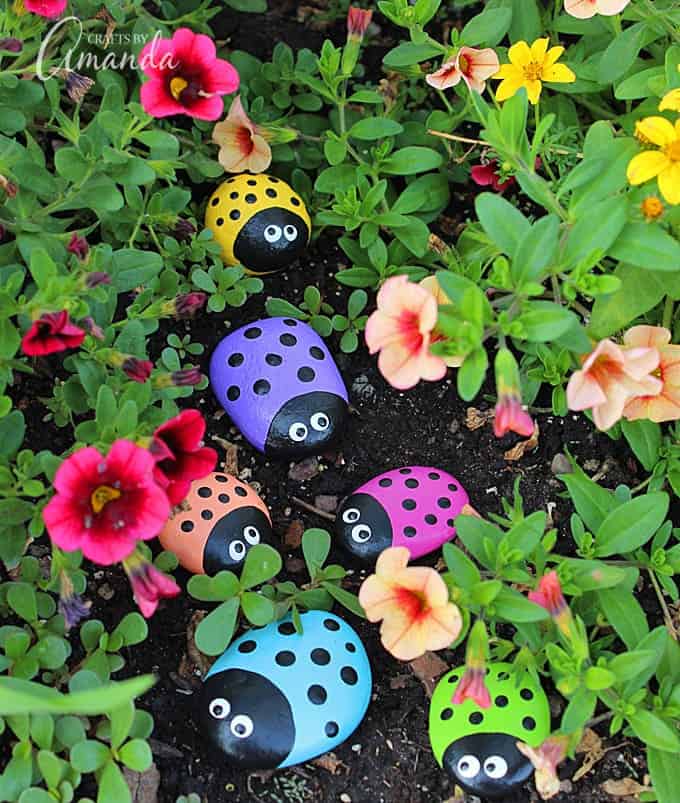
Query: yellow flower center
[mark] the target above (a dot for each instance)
(533, 71)
(673, 151)
(101, 496)
(177, 86)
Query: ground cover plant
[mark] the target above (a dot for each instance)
(494, 191)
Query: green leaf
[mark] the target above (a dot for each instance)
(644, 438)
(579, 710)
(654, 731)
(214, 633)
(371, 128)
(515, 607)
(258, 609)
(473, 532)
(345, 598)
(472, 373)
(121, 721)
(621, 53)
(408, 53)
(261, 564)
(631, 525)
(624, 614)
(410, 160)
(131, 268)
(628, 665)
(464, 573)
(536, 250)
(136, 754)
(526, 534)
(316, 544)
(598, 678)
(647, 245)
(112, 786)
(504, 223)
(132, 629)
(593, 503)
(89, 755)
(222, 586)
(21, 598)
(594, 233)
(663, 768)
(487, 28)
(544, 320)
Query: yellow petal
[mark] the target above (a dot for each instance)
(509, 71)
(552, 55)
(559, 74)
(507, 88)
(657, 130)
(533, 91)
(670, 101)
(539, 49)
(646, 165)
(520, 54)
(669, 183)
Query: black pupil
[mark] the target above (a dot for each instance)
(240, 728)
(217, 710)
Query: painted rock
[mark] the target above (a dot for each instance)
(413, 507)
(276, 698)
(259, 221)
(476, 746)
(281, 387)
(225, 517)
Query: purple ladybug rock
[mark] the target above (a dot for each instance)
(281, 387)
(413, 507)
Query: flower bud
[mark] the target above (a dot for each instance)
(136, 369)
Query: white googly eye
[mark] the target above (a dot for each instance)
(237, 550)
(241, 726)
(361, 533)
(496, 767)
(272, 234)
(468, 766)
(252, 535)
(219, 708)
(351, 515)
(297, 432)
(290, 233)
(320, 422)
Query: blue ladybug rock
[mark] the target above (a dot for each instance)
(280, 386)
(276, 698)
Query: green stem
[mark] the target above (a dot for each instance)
(668, 619)
(668, 313)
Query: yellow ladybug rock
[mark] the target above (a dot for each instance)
(259, 221)
(223, 519)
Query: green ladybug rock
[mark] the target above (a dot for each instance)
(477, 746)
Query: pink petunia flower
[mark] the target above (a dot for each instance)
(486, 175)
(585, 9)
(358, 20)
(137, 370)
(666, 405)
(105, 504)
(50, 333)
(610, 377)
(186, 77)
(50, 9)
(470, 65)
(509, 415)
(243, 146)
(149, 585)
(472, 685)
(78, 245)
(181, 458)
(401, 330)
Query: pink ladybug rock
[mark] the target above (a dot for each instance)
(413, 507)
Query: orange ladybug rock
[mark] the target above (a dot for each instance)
(223, 520)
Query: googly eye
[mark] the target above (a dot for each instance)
(219, 708)
(297, 432)
(252, 535)
(272, 234)
(351, 515)
(320, 422)
(237, 550)
(468, 766)
(241, 726)
(361, 533)
(290, 233)
(496, 767)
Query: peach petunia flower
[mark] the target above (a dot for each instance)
(401, 330)
(473, 66)
(243, 146)
(413, 604)
(431, 284)
(546, 759)
(610, 377)
(585, 9)
(666, 405)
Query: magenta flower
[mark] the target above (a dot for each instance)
(105, 504)
(149, 585)
(358, 20)
(50, 333)
(186, 77)
(137, 370)
(50, 9)
(486, 175)
(78, 245)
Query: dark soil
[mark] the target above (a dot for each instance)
(388, 759)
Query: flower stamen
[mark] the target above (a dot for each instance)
(101, 496)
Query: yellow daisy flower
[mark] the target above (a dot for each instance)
(528, 67)
(670, 101)
(664, 163)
